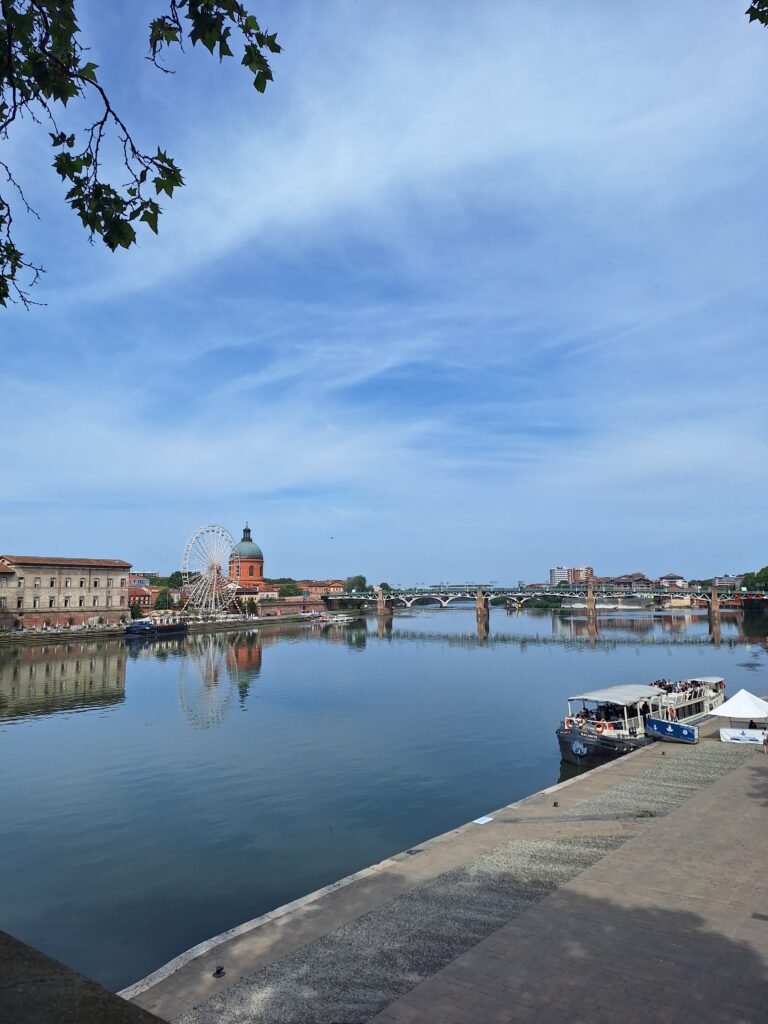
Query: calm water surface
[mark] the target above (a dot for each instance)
(153, 796)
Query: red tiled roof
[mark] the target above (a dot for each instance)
(73, 563)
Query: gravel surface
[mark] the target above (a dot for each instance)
(665, 786)
(354, 972)
(351, 974)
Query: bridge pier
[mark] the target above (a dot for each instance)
(384, 612)
(592, 631)
(713, 616)
(591, 603)
(483, 613)
(384, 624)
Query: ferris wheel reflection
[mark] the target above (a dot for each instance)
(216, 671)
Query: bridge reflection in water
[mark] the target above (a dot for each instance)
(216, 671)
(613, 631)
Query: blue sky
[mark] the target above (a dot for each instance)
(473, 290)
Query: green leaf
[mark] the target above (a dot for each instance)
(150, 217)
(88, 71)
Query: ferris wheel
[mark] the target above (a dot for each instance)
(210, 568)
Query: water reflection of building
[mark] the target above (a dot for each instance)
(44, 679)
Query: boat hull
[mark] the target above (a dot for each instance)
(161, 629)
(589, 749)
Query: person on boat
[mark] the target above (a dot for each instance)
(645, 709)
(751, 725)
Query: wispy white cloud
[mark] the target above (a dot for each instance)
(471, 290)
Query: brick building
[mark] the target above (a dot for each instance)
(38, 591)
(316, 588)
(249, 573)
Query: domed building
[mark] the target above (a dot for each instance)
(250, 572)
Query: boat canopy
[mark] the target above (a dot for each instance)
(629, 694)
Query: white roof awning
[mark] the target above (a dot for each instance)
(743, 705)
(629, 694)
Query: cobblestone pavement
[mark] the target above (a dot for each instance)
(461, 944)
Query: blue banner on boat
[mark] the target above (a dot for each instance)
(677, 732)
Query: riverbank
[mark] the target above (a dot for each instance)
(64, 635)
(560, 906)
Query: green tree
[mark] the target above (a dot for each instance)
(355, 584)
(136, 610)
(163, 600)
(175, 580)
(289, 589)
(756, 580)
(386, 588)
(252, 606)
(44, 67)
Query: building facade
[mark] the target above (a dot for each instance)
(558, 574)
(316, 588)
(673, 580)
(249, 571)
(570, 574)
(38, 591)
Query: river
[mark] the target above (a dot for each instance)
(152, 796)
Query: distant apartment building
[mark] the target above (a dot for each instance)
(728, 582)
(671, 579)
(572, 574)
(37, 591)
(558, 574)
(628, 580)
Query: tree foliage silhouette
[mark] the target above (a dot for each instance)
(43, 68)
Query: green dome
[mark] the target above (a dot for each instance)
(246, 548)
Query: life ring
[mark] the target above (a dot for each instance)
(600, 726)
(569, 723)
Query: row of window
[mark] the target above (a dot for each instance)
(51, 669)
(67, 602)
(62, 688)
(53, 581)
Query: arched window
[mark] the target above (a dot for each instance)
(250, 570)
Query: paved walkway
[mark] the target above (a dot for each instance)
(562, 907)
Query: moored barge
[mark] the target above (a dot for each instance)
(619, 719)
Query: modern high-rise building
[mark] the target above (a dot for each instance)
(575, 574)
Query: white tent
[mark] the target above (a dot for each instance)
(743, 705)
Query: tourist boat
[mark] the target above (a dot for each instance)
(619, 719)
(152, 628)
